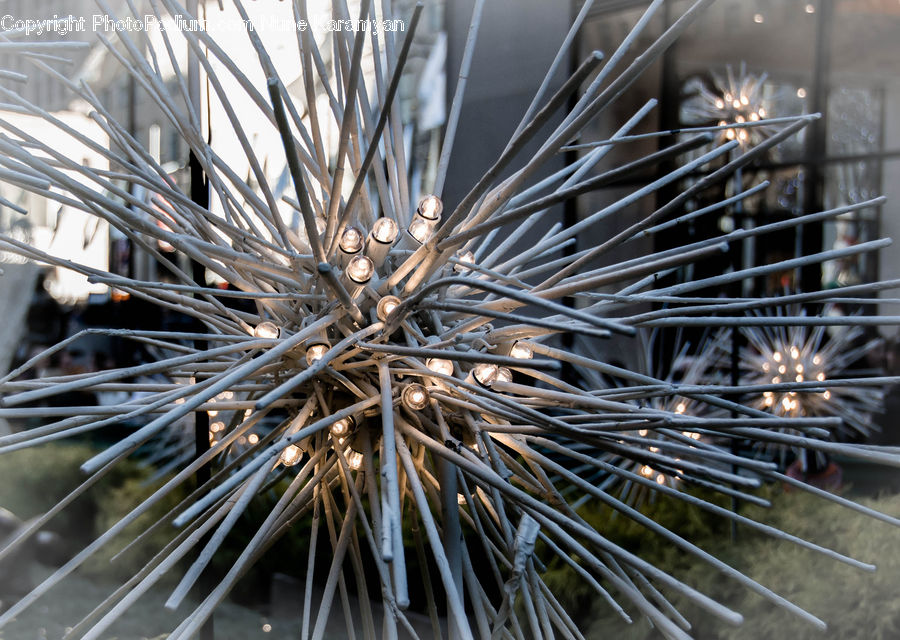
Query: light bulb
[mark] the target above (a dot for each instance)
(782, 369)
(291, 455)
(820, 376)
(769, 401)
(776, 356)
(766, 367)
(440, 365)
(351, 240)
(736, 104)
(646, 471)
(315, 353)
(776, 380)
(801, 93)
(827, 395)
(761, 112)
(415, 397)
(521, 351)
(430, 207)
(728, 97)
(485, 373)
(385, 306)
(420, 230)
(754, 116)
(253, 438)
(799, 368)
(266, 330)
(729, 133)
(354, 459)
(642, 432)
(817, 359)
(503, 375)
(215, 427)
(742, 135)
(342, 427)
(799, 377)
(739, 119)
(360, 269)
(795, 353)
(660, 479)
(384, 230)
(745, 100)
(720, 104)
(680, 408)
(467, 258)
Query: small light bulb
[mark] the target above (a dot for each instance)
(654, 449)
(799, 368)
(642, 432)
(351, 240)
(212, 413)
(820, 376)
(430, 207)
(384, 230)
(728, 97)
(769, 401)
(467, 257)
(801, 93)
(795, 353)
(817, 359)
(342, 427)
(360, 269)
(385, 306)
(742, 135)
(485, 373)
(776, 380)
(440, 365)
(646, 471)
(420, 230)
(766, 367)
(521, 351)
(354, 459)
(253, 438)
(736, 104)
(315, 353)
(504, 375)
(266, 330)
(660, 479)
(291, 455)
(415, 397)
(680, 408)
(754, 116)
(776, 356)
(827, 395)
(215, 427)
(720, 104)
(799, 377)
(739, 119)
(729, 133)
(762, 112)
(758, 18)
(809, 8)
(782, 369)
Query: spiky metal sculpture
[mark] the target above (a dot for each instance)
(388, 337)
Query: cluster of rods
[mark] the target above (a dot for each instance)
(399, 365)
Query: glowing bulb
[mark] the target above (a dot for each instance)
(809, 8)
(739, 119)
(521, 351)
(354, 459)
(467, 258)
(801, 93)
(266, 330)
(776, 380)
(799, 377)
(742, 135)
(729, 133)
(415, 397)
(215, 427)
(384, 230)
(291, 455)
(820, 376)
(754, 116)
(642, 432)
(736, 104)
(315, 353)
(745, 100)
(430, 207)
(795, 353)
(253, 438)
(827, 395)
(420, 230)
(782, 369)
(680, 408)
(503, 375)
(786, 403)
(799, 368)
(728, 97)
(341, 427)
(776, 356)
(758, 18)
(769, 401)
(351, 240)
(485, 373)
(212, 413)
(817, 359)
(720, 104)
(646, 471)
(385, 306)
(360, 269)
(440, 365)
(660, 479)
(761, 112)
(654, 449)
(766, 367)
